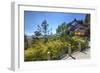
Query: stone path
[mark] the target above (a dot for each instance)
(79, 55)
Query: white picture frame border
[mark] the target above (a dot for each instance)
(17, 31)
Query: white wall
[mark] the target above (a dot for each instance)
(5, 34)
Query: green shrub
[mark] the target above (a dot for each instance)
(57, 47)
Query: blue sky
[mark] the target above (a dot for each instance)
(34, 18)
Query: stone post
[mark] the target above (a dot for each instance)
(69, 50)
(79, 46)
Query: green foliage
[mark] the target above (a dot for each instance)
(82, 40)
(39, 51)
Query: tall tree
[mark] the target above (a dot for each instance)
(38, 32)
(44, 27)
(62, 29)
(36, 36)
(25, 41)
(87, 19)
